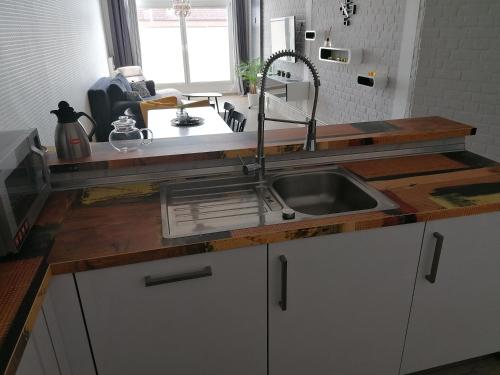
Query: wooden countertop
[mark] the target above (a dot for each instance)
(113, 225)
(90, 228)
(277, 142)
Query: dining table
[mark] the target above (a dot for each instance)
(160, 123)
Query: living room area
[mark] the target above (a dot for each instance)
(90, 54)
(192, 53)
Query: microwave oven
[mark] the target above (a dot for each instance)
(24, 186)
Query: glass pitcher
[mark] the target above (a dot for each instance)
(126, 137)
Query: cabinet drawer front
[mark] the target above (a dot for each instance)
(190, 315)
(347, 300)
(455, 317)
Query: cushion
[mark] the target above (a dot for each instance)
(136, 78)
(148, 105)
(141, 88)
(132, 96)
(167, 92)
(124, 81)
(152, 88)
(130, 71)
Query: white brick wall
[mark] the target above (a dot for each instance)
(376, 28)
(50, 50)
(458, 71)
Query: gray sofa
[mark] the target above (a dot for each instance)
(108, 101)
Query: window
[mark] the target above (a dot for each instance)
(185, 50)
(208, 45)
(161, 45)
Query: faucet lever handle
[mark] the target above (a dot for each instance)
(251, 168)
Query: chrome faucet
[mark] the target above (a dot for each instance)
(310, 143)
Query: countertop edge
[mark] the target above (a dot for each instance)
(246, 143)
(236, 242)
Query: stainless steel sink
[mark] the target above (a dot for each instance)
(214, 205)
(322, 193)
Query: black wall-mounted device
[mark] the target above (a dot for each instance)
(366, 81)
(310, 35)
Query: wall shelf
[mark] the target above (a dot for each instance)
(340, 55)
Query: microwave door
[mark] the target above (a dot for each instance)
(24, 188)
(21, 187)
(7, 222)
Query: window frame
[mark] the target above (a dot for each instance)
(223, 86)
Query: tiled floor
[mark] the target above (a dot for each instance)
(484, 366)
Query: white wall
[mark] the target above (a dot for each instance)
(458, 71)
(50, 50)
(376, 28)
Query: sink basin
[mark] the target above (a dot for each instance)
(322, 193)
(327, 191)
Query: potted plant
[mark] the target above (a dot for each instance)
(249, 72)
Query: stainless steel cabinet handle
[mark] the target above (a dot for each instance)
(437, 255)
(153, 281)
(284, 281)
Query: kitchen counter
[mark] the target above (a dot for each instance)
(106, 226)
(114, 225)
(277, 142)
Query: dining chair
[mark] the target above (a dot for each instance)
(237, 122)
(228, 110)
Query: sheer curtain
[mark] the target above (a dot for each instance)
(124, 32)
(240, 31)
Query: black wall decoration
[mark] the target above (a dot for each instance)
(347, 8)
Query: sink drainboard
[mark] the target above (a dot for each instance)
(193, 208)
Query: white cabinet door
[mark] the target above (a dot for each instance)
(67, 328)
(457, 316)
(199, 324)
(30, 362)
(348, 299)
(39, 357)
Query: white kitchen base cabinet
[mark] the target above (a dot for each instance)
(456, 317)
(66, 326)
(201, 314)
(347, 297)
(39, 357)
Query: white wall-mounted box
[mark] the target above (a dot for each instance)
(341, 55)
